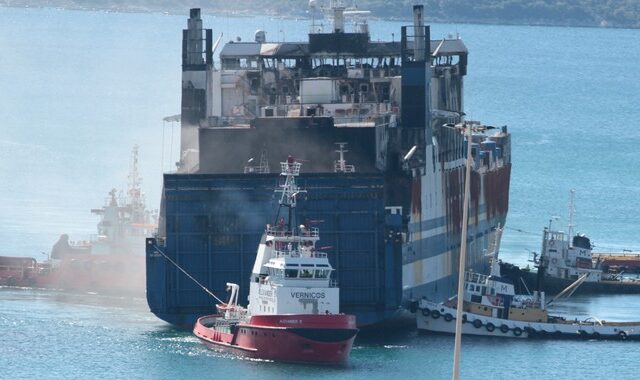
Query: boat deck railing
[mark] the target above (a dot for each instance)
(290, 168)
(317, 255)
(475, 277)
(276, 231)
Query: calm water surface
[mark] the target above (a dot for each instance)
(78, 89)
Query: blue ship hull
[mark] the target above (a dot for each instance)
(214, 224)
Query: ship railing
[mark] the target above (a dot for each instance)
(307, 232)
(312, 232)
(290, 168)
(340, 167)
(475, 277)
(295, 253)
(278, 231)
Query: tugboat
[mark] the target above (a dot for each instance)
(293, 312)
(111, 262)
(492, 308)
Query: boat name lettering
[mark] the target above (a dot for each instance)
(308, 295)
(291, 321)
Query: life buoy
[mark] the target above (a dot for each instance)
(622, 335)
(517, 331)
(426, 312)
(448, 317)
(554, 261)
(504, 328)
(435, 314)
(490, 327)
(477, 323)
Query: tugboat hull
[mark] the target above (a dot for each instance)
(439, 318)
(316, 339)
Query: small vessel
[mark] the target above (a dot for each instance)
(492, 308)
(565, 257)
(111, 262)
(293, 312)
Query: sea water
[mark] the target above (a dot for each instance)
(79, 89)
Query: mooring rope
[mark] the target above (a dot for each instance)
(187, 274)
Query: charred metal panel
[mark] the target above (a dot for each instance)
(227, 150)
(194, 107)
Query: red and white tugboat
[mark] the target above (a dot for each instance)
(293, 313)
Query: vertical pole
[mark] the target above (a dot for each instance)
(572, 194)
(463, 257)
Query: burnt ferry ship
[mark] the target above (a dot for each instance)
(380, 127)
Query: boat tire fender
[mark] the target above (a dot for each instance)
(426, 312)
(517, 331)
(622, 335)
(504, 328)
(435, 314)
(490, 327)
(477, 323)
(448, 317)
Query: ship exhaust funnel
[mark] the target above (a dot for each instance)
(416, 81)
(338, 20)
(419, 50)
(193, 39)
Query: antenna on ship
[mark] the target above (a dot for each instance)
(134, 192)
(340, 166)
(289, 189)
(572, 210)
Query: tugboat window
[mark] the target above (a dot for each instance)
(322, 273)
(291, 273)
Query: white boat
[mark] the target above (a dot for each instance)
(293, 313)
(492, 308)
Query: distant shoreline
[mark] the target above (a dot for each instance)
(71, 6)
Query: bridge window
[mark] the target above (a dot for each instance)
(306, 273)
(322, 273)
(290, 273)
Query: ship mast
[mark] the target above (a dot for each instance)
(134, 193)
(463, 256)
(289, 189)
(572, 210)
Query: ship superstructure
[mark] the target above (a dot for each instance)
(380, 126)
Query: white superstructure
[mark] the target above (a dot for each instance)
(290, 276)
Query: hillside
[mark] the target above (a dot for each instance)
(610, 13)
